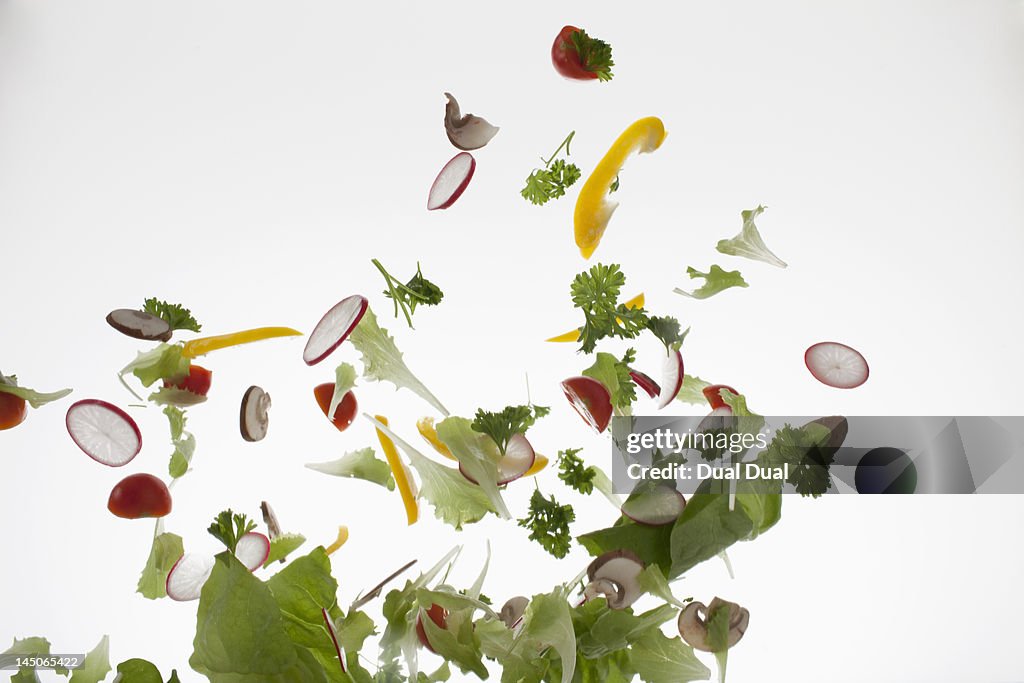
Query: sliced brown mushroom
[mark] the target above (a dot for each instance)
(253, 417)
(693, 626)
(466, 132)
(270, 519)
(139, 324)
(616, 575)
(513, 609)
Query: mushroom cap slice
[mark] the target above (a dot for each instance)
(513, 609)
(693, 626)
(620, 572)
(467, 132)
(739, 619)
(253, 417)
(139, 324)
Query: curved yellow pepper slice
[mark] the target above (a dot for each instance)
(202, 346)
(574, 335)
(539, 463)
(405, 488)
(593, 208)
(340, 541)
(425, 426)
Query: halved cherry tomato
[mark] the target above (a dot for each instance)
(197, 381)
(345, 413)
(714, 396)
(438, 615)
(591, 400)
(578, 56)
(12, 410)
(140, 495)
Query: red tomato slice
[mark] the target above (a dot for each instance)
(197, 381)
(714, 396)
(438, 615)
(566, 59)
(345, 413)
(12, 410)
(140, 495)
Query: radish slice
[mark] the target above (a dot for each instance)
(671, 378)
(252, 550)
(451, 182)
(836, 365)
(334, 328)
(655, 506)
(187, 576)
(139, 324)
(253, 418)
(104, 432)
(646, 383)
(517, 461)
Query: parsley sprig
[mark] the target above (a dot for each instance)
(228, 527)
(511, 420)
(175, 315)
(418, 290)
(550, 182)
(574, 473)
(596, 293)
(548, 523)
(595, 54)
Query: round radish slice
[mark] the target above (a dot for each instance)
(104, 432)
(671, 378)
(252, 550)
(590, 398)
(646, 383)
(334, 328)
(836, 365)
(655, 506)
(518, 460)
(451, 182)
(187, 576)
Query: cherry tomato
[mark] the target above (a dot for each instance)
(197, 381)
(140, 495)
(591, 400)
(345, 413)
(12, 410)
(438, 615)
(580, 57)
(714, 396)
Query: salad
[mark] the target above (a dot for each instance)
(267, 603)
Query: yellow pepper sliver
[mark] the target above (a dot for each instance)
(425, 426)
(340, 541)
(593, 208)
(202, 346)
(574, 335)
(539, 463)
(412, 508)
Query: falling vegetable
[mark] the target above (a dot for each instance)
(451, 181)
(253, 416)
(466, 132)
(204, 345)
(104, 432)
(550, 182)
(593, 208)
(578, 56)
(13, 399)
(748, 243)
(401, 474)
(836, 365)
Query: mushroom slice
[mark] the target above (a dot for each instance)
(513, 609)
(139, 324)
(466, 132)
(253, 418)
(621, 569)
(693, 625)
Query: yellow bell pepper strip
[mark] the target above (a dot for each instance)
(593, 208)
(425, 426)
(539, 463)
(405, 487)
(202, 346)
(341, 540)
(574, 335)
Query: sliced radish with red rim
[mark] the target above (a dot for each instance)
(645, 382)
(671, 377)
(452, 181)
(252, 550)
(334, 328)
(104, 432)
(187, 576)
(591, 399)
(517, 461)
(654, 505)
(836, 365)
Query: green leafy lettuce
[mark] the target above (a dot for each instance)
(715, 281)
(9, 385)
(184, 442)
(361, 464)
(167, 549)
(748, 243)
(614, 374)
(478, 456)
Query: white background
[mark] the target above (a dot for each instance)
(249, 158)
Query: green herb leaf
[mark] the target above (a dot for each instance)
(550, 182)
(574, 473)
(478, 456)
(614, 375)
(548, 523)
(418, 290)
(382, 361)
(806, 452)
(596, 293)
(503, 425)
(228, 527)
(716, 280)
(595, 55)
(668, 330)
(175, 315)
(748, 243)
(361, 464)
(167, 549)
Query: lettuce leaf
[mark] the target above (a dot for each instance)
(96, 665)
(748, 243)
(9, 385)
(142, 671)
(282, 546)
(660, 659)
(715, 281)
(382, 361)
(184, 442)
(163, 362)
(361, 464)
(614, 374)
(478, 457)
(344, 381)
(692, 390)
(33, 645)
(706, 528)
(167, 549)
(548, 622)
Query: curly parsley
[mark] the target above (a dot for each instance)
(175, 315)
(574, 473)
(596, 293)
(550, 182)
(511, 420)
(548, 523)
